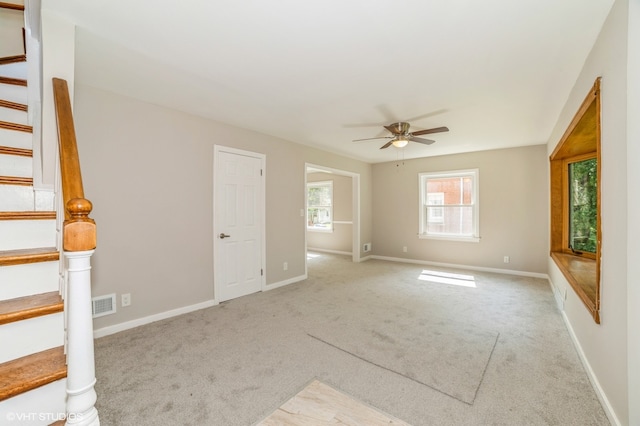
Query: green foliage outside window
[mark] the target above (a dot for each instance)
(583, 207)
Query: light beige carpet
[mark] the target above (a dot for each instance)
(234, 364)
(446, 355)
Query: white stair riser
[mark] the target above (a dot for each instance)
(16, 165)
(16, 139)
(14, 70)
(22, 234)
(42, 406)
(27, 279)
(16, 198)
(13, 115)
(13, 93)
(22, 338)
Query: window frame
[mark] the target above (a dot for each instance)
(582, 139)
(423, 177)
(566, 216)
(323, 183)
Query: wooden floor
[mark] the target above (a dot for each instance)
(319, 404)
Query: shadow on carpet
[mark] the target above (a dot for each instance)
(447, 357)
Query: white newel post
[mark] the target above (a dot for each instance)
(81, 377)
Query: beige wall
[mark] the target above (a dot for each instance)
(11, 23)
(605, 345)
(633, 211)
(513, 210)
(149, 172)
(340, 240)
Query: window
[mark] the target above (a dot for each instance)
(320, 206)
(576, 236)
(449, 205)
(582, 180)
(436, 214)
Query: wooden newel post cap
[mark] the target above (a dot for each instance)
(79, 209)
(79, 229)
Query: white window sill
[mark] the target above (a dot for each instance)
(449, 238)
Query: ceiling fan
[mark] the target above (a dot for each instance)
(401, 135)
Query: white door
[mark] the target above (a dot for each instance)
(238, 223)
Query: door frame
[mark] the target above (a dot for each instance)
(262, 205)
(355, 209)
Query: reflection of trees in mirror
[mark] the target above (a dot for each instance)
(583, 205)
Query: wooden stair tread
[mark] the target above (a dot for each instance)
(15, 126)
(16, 180)
(28, 215)
(14, 6)
(9, 150)
(33, 255)
(14, 81)
(13, 105)
(12, 59)
(30, 307)
(32, 371)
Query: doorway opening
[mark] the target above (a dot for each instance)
(332, 199)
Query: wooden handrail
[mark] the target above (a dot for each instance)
(79, 230)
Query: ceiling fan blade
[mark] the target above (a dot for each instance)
(427, 115)
(428, 131)
(386, 145)
(393, 128)
(421, 140)
(370, 139)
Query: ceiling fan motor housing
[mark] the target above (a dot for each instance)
(399, 128)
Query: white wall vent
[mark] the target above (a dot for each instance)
(103, 305)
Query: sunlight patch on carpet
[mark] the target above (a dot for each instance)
(461, 280)
(448, 357)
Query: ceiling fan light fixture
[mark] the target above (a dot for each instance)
(400, 142)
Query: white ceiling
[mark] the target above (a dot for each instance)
(322, 73)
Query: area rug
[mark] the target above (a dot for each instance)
(443, 355)
(320, 404)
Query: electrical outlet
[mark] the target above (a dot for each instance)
(285, 266)
(126, 299)
(404, 249)
(506, 259)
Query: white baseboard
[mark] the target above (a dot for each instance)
(468, 267)
(275, 285)
(557, 295)
(606, 405)
(112, 329)
(346, 253)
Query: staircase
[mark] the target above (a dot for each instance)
(35, 348)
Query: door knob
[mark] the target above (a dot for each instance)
(223, 236)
